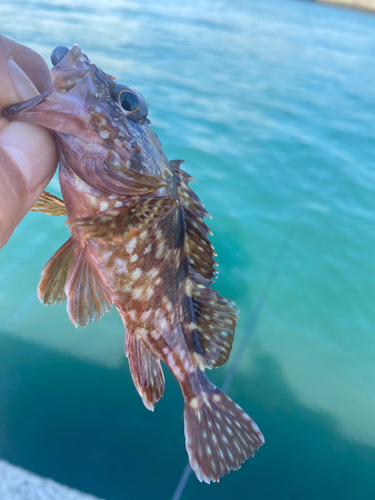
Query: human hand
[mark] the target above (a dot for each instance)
(28, 153)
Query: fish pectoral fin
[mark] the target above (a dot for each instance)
(51, 288)
(200, 250)
(126, 222)
(89, 296)
(49, 204)
(146, 371)
(215, 334)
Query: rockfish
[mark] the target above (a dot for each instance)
(139, 241)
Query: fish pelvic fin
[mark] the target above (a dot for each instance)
(146, 371)
(219, 435)
(128, 222)
(89, 296)
(51, 288)
(49, 204)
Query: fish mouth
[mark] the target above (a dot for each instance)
(15, 109)
(66, 96)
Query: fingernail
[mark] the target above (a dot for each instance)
(21, 81)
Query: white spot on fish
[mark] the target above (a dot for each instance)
(134, 258)
(106, 256)
(141, 332)
(133, 314)
(188, 287)
(160, 249)
(131, 245)
(163, 323)
(118, 204)
(103, 206)
(194, 403)
(120, 266)
(136, 274)
(153, 272)
(155, 334)
(148, 249)
(118, 143)
(143, 235)
(137, 292)
(104, 134)
(146, 315)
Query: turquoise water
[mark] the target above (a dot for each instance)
(272, 106)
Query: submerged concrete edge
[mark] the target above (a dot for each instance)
(19, 484)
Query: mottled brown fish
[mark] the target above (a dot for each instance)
(139, 241)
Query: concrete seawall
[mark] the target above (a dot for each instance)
(367, 5)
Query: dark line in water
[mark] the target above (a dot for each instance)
(249, 329)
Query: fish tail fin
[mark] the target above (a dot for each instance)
(219, 435)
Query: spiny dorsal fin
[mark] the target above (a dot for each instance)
(126, 222)
(89, 296)
(216, 319)
(200, 250)
(54, 275)
(49, 204)
(146, 371)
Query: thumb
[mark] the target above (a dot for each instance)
(28, 154)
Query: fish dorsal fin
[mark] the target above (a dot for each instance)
(215, 316)
(49, 204)
(54, 275)
(216, 320)
(146, 371)
(199, 248)
(89, 296)
(126, 221)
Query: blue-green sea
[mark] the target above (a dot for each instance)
(271, 103)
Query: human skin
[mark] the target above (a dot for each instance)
(28, 153)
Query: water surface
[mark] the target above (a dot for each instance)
(271, 105)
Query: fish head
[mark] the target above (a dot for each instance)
(99, 124)
(80, 95)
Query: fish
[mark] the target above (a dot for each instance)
(139, 242)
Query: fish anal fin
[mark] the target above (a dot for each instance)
(216, 320)
(126, 221)
(49, 204)
(219, 435)
(55, 273)
(89, 296)
(146, 371)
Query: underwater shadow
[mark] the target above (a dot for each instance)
(84, 425)
(304, 457)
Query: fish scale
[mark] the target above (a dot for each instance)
(139, 242)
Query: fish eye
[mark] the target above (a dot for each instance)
(131, 102)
